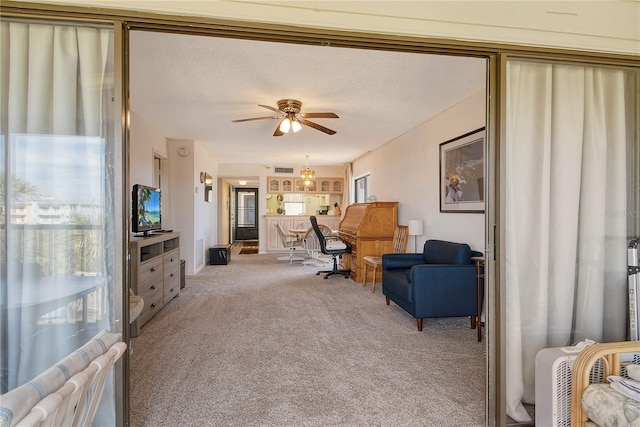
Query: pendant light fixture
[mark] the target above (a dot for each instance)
(307, 175)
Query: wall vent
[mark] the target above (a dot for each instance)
(283, 170)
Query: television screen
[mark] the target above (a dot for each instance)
(146, 209)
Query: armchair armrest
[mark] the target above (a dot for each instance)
(401, 260)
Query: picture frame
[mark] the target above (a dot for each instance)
(462, 173)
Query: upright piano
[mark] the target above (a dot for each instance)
(368, 228)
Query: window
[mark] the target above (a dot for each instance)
(60, 233)
(361, 189)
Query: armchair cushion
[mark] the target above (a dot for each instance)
(441, 252)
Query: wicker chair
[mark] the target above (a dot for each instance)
(68, 393)
(582, 379)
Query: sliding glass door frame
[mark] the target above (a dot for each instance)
(496, 56)
(114, 112)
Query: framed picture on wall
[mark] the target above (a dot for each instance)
(462, 172)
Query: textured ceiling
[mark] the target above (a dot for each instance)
(192, 87)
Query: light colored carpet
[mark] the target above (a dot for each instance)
(260, 343)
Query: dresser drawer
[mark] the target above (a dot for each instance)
(150, 271)
(151, 307)
(171, 283)
(172, 259)
(150, 289)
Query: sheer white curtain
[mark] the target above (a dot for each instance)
(565, 250)
(58, 193)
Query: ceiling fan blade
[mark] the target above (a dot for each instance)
(317, 126)
(268, 107)
(319, 115)
(253, 118)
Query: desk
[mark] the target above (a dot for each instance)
(480, 287)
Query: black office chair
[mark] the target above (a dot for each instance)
(331, 246)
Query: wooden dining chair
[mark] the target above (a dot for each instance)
(400, 240)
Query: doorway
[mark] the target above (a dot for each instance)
(246, 207)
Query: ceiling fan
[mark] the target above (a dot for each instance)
(291, 119)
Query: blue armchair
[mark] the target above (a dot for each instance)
(440, 282)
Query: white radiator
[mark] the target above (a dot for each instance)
(553, 382)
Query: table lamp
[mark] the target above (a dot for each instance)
(415, 230)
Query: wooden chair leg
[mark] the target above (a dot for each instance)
(473, 322)
(373, 279)
(419, 321)
(386, 298)
(364, 273)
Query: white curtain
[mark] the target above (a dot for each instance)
(52, 96)
(566, 185)
(346, 190)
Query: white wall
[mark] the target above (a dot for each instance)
(205, 219)
(406, 170)
(145, 142)
(195, 219)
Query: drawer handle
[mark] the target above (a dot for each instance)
(171, 260)
(153, 305)
(171, 275)
(171, 290)
(153, 287)
(153, 269)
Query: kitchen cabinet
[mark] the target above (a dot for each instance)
(280, 185)
(330, 185)
(300, 188)
(296, 185)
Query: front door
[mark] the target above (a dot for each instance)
(246, 218)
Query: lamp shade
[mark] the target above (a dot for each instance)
(416, 227)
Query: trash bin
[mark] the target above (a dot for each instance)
(220, 255)
(182, 268)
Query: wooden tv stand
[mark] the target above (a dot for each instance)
(154, 273)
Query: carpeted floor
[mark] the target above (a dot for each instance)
(260, 343)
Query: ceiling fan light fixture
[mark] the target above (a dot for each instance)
(288, 112)
(285, 126)
(295, 126)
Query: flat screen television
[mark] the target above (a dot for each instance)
(146, 209)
